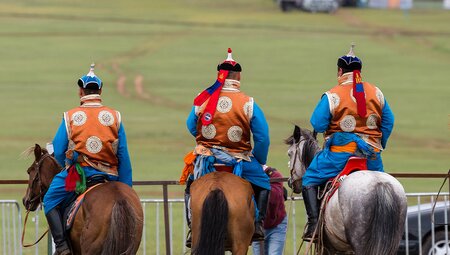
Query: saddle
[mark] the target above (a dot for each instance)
(73, 202)
(332, 185)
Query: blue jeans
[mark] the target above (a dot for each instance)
(274, 240)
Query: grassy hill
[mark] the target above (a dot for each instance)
(289, 60)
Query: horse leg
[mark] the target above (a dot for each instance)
(93, 232)
(241, 229)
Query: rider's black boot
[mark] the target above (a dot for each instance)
(187, 197)
(56, 228)
(261, 202)
(312, 206)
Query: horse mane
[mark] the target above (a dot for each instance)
(30, 150)
(27, 152)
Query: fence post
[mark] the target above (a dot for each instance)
(166, 218)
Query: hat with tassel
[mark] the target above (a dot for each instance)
(90, 80)
(350, 61)
(229, 64)
(213, 91)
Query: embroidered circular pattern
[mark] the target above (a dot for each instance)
(348, 123)
(248, 109)
(94, 145)
(372, 121)
(334, 100)
(224, 104)
(235, 134)
(106, 118)
(79, 118)
(209, 132)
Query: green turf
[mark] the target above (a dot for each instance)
(288, 61)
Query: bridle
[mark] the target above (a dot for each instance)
(37, 179)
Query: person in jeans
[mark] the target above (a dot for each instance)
(275, 223)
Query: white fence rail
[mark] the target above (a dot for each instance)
(424, 233)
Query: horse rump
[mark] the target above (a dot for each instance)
(122, 232)
(385, 227)
(213, 225)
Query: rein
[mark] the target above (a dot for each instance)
(42, 191)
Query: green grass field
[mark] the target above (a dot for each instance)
(288, 61)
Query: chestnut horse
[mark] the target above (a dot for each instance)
(365, 216)
(223, 214)
(110, 219)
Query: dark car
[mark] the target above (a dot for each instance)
(421, 230)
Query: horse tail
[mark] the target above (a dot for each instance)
(213, 226)
(121, 236)
(386, 226)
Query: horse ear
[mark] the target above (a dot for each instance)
(37, 151)
(297, 134)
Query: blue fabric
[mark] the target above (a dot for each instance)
(251, 171)
(88, 79)
(260, 131)
(191, 122)
(351, 59)
(387, 123)
(321, 117)
(274, 240)
(327, 164)
(57, 193)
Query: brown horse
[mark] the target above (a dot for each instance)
(222, 214)
(110, 219)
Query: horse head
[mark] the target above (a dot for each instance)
(303, 145)
(40, 175)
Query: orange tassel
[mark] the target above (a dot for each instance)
(188, 167)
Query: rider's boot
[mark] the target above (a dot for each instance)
(56, 228)
(187, 197)
(261, 203)
(312, 206)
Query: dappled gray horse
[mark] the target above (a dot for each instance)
(365, 215)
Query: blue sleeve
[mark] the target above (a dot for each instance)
(60, 143)
(191, 122)
(387, 123)
(321, 117)
(124, 168)
(260, 131)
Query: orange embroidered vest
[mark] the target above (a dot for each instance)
(230, 129)
(344, 113)
(93, 131)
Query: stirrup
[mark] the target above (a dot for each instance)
(258, 235)
(310, 237)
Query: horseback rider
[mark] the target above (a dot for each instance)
(89, 142)
(222, 120)
(356, 120)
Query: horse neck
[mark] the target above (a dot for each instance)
(48, 170)
(311, 148)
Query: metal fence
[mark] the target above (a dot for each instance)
(153, 241)
(11, 227)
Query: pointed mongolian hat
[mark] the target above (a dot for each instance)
(350, 61)
(229, 64)
(90, 80)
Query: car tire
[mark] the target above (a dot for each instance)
(439, 247)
